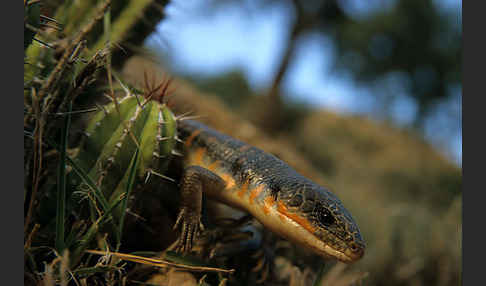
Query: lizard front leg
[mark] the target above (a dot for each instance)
(195, 180)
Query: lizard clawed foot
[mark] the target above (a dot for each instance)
(191, 225)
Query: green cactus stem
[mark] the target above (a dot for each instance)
(113, 135)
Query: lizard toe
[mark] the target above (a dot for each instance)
(191, 225)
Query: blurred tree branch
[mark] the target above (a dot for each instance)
(145, 25)
(309, 15)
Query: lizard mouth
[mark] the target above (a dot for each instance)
(346, 256)
(326, 250)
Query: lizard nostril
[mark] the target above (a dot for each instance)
(357, 250)
(354, 247)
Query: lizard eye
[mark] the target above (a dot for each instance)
(325, 217)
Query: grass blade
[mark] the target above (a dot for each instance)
(92, 231)
(90, 183)
(107, 36)
(320, 275)
(161, 263)
(88, 271)
(61, 183)
(131, 179)
(84, 176)
(107, 25)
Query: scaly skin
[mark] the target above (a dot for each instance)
(247, 178)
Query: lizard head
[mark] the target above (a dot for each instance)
(321, 220)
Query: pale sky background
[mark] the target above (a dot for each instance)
(252, 40)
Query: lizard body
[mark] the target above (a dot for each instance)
(245, 177)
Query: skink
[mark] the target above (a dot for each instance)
(245, 177)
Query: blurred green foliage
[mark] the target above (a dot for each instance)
(413, 37)
(415, 41)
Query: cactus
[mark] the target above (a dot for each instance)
(113, 135)
(66, 46)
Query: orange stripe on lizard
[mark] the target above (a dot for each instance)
(243, 189)
(255, 192)
(281, 208)
(230, 182)
(189, 139)
(267, 204)
(213, 166)
(198, 156)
